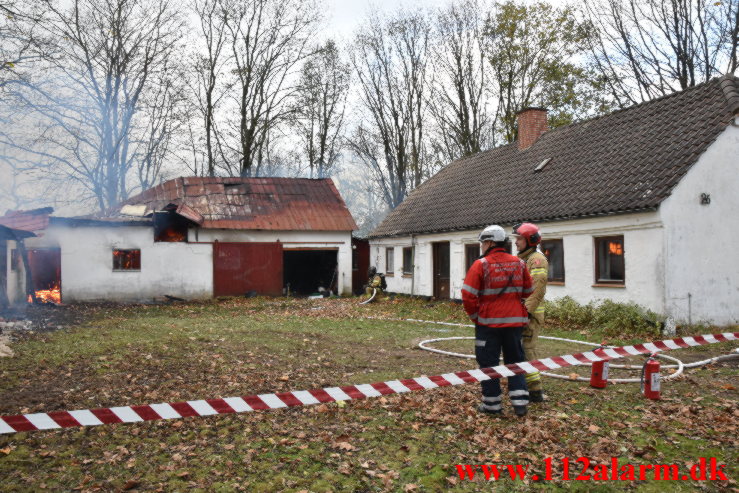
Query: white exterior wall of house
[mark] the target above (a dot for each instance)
(294, 240)
(702, 271)
(177, 269)
(15, 278)
(644, 259)
(421, 283)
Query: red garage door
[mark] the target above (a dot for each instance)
(242, 267)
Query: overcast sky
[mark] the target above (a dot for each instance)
(343, 16)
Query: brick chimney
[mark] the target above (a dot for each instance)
(532, 123)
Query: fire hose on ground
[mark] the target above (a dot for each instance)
(374, 293)
(679, 366)
(250, 403)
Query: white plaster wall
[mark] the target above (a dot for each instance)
(341, 240)
(421, 283)
(15, 279)
(178, 269)
(702, 271)
(644, 260)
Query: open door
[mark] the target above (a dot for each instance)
(306, 271)
(441, 270)
(46, 273)
(239, 268)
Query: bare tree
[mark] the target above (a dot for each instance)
(650, 48)
(269, 39)
(460, 96)
(390, 57)
(83, 105)
(319, 108)
(163, 117)
(533, 51)
(19, 46)
(208, 67)
(362, 194)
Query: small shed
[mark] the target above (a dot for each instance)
(199, 237)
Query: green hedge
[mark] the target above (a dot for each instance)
(614, 319)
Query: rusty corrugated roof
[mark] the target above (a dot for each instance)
(33, 220)
(283, 204)
(7, 233)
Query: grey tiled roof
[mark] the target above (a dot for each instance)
(626, 161)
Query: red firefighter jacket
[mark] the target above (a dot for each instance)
(494, 288)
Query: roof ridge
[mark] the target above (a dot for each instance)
(730, 86)
(625, 164)
(644, 103)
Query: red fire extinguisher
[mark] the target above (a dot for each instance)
(599, 374)
(650, 379)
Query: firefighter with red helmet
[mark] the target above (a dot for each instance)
(492, 294)
(528, 238)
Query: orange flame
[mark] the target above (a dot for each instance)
(615, 248)
(53, 295)
(171, 235)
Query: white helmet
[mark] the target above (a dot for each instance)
(493, 233)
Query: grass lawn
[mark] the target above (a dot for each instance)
(132, 355)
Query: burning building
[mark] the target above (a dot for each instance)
(192, 238)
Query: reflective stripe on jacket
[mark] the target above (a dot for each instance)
(538, 267)
(493, 290)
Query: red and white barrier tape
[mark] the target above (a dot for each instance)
(132, 414)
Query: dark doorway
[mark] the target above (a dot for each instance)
(46, 273)
(441, 270)
(239, 268)
(307, 270)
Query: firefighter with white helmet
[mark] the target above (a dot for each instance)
(492, 293)
(527, 238)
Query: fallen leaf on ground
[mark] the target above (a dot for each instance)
(130, 484)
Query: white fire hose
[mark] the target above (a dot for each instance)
(680, 365)
(374, 292)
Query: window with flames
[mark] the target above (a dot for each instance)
(609, 260)
(169, 227)
(127, 260)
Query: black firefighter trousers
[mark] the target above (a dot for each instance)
(488, 343)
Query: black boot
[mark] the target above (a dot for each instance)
(482, 409)
(520, 410)
(536, 396)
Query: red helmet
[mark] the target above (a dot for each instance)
(528, 231)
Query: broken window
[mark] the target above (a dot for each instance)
(609, 260)
(390, 260)
(553, 250)
(169, 227)
(408, 261)
(126, 260)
